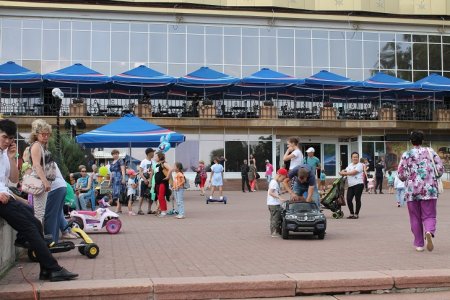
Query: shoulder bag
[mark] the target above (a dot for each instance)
(31, 183)
(440, 185)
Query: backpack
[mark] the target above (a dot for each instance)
(186, 184)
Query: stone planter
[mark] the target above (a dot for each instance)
(143, 110)
(328, 113)
(387, 114)
(268, 112)
(78, 109)
(207, 111)
(441, 115)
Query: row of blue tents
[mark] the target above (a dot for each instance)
(203, 80)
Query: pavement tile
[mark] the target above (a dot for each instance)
(336, 282)
(223, 287)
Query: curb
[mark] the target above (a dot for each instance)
(223, 287)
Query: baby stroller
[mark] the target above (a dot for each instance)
(334, 199)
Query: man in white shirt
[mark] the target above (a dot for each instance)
(146, 174)
(20, 216)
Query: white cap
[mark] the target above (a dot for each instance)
(310, 149)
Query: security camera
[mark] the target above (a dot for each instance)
(57, 93)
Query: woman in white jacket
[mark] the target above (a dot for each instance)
(400, 191)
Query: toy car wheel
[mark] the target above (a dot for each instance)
(207, 202)
(92, 250)
(77, 222)
(284, 231)
(224, 201)
(113, 226)
(82, 249)
(321, 235)
(32, 255)
(341, 214)
(335, 215)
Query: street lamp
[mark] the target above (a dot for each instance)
(58, 95)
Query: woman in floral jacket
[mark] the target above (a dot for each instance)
(417, 170)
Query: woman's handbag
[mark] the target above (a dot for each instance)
(32, 185)
(186, 184)
(257, 175)
(440, 185)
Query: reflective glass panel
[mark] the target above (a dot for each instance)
(250, 51)
(286, 52)
(288, 33)
(419, 38)
(214, 49)
(232, 31)
(50, 43)
(406, 75)
(371, 36)
(354, 54)
(101, 26)
(247, 31)
(319, 34)
(158, 28)
(420, 54)
(36, 24)
(120, 43)
(371, 54)
(120, 27)
(337, 53)
(329, 159)
(158, 47)
(268, 50)
(435, 57)
(236, 152)
(31, 45)
(50, 24)
(101, 46)
(65, 45)
(177, 70)
(11, 42)
(303, 53)
(320, 53)
(232, 50)
(404, 56)
(139, 27)
(81, 46)
(139, 46)
(197, 29)
(213, 30)
(195, 48)
(177, 48)
(387, 55)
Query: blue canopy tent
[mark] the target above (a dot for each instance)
(128, 131)
(436, 84)
(142, 78)
(205, 79)
(77, 76)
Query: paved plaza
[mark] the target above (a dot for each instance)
(234, 239)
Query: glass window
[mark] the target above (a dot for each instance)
(337, 35)
(81, 49)
(81, 25)
(120, 45)
(49, 66)
(419, 75)
(403, 37)
(139, 46)
(102, 26)
(233, 70)
(177, 70)
(446, 39)
(236, 152)
(403, 54)
(435, 57)
(11, 44)
(188, 154)
(268, 50)
(101, 46)
(50, 24)
(213, 30)
(177, 48)
(329, 159)
(371, 54)
(303, 72)
(232, 50)
(337, 53)
(196, 29)
(33, 65)
(261, 150)
(300, 33)
(368, 152)
(65, 25)
(371, 36)
(387, 37)
(287, 70)
(354, 35)
(120, 27)
(65, 45)
(387, 55)
(118, 67)
(248, 70)
(232, 31)
(158, 28)
(288, 33)
(177, 28)
(420, 53)
(246, 31)
(31, 47)
(319, 34)
(446, 56)
(250, 51)
(50, 44)
(354, 54)
(303, 53)
(419, 38)
(434, 39)
(210, 149)
(286, 52)
(214, 49)
(356, 74)
(11, 23)
(268, 31)
(36, 24)
(406, 75)
(320, 53)
(158, 47)
(139, 27)
(195, 48)
(102, 67)
(394, 151)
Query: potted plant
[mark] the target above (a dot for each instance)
(268, 103)
(207, 102)
(328, 104)
(268, 110)
(78, 107)
(78, 100)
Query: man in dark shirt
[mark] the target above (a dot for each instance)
(379, 176)
(305, 183)
(244, 174)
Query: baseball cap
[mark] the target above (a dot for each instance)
(310, 149)
(131, 172)
(282, 171)
(267, 161)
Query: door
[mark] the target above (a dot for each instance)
(343, 155)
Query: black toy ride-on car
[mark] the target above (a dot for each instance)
(303, 217)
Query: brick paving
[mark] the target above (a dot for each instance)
(234, 239)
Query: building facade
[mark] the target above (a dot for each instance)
(351, 38)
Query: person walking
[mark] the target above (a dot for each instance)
(269, 171)
(379, 175)
(399, 191)
(216, 179)
(420, 168)
(201, 170)
(244, 175)
(312, 160)
(146, 174)
(354, 173)
(117, 174)
(252, 176)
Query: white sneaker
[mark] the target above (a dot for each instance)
(68, 236)
(210, 197)
(274, 234)
(419, 249)
(429, 238)
(162, 214)
(180, 217)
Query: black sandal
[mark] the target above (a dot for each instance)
(351, 217)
